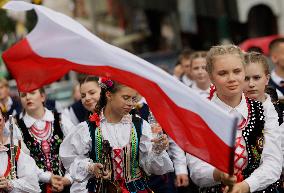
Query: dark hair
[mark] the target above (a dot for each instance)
(103, 99)
(185, 54)
(255, 49)
(88, 78)
(274, 44)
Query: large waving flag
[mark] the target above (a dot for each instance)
(58, 44)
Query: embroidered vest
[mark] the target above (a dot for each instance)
(35, 147)
(253, 136)
(132, 173)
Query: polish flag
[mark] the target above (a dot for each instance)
(59, 44)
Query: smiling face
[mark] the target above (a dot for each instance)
(90, 94)
(228, 75)
(255, 81)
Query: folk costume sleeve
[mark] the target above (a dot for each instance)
(271, 158)
(178, 158)
(200, 172)
(74, 152)
(67, 126)
(151, 162)
(27, 180)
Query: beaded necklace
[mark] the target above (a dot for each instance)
(41, 134)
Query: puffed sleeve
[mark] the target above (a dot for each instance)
(271, 158)
(17, 134)
(67, 125)
(152, 163)
(201, 172)
(69, 112)
(74, 152)
(27, 179)
(178, 157)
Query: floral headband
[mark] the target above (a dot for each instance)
(105, 82)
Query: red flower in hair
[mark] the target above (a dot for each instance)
(105, 82)
(95, 118)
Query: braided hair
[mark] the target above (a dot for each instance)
(106, 85)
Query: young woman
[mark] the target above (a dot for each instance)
(43, 132)
(199, 74)
(26, 179)
(256, 81)
(90, 94)
(258, 157)
(256, 86)
(133, 150)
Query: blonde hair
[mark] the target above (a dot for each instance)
(220, 51)
(254, 57)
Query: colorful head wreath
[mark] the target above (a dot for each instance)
(105, 82)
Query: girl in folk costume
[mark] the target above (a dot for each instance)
(81, 110)
(256, 81)
(20, 177)
(43, 132)
(201, 82)
(258, 157)
(90, 94)
(133, 150)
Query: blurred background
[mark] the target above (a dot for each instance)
(156, 30)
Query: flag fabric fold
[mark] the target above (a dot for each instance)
(59, 44)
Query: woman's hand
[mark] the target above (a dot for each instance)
(226, 179)
(4, 184)
(57, 183)
(96, 169)
(161, 143)
(241, 187)
(182, 180)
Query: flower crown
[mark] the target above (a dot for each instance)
(105, 82)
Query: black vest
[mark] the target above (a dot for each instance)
(80, 111)
(36, 150)
(253, 136)
(276, 86)
(137, 121)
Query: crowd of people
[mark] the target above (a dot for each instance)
(108, 139)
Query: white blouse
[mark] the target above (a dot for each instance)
(178, 158)
(203, 93)
(75, 147)
(271, 158)
(27, 180)
(66, 126)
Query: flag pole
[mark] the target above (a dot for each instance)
(232, 155)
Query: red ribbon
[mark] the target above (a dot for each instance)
(95, 118)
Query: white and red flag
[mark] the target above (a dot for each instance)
(59, 44)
